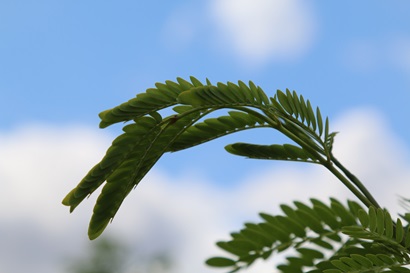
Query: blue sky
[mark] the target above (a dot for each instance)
(63, 62)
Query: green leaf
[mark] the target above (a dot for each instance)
(399, 231)
(364, 218)
(283, 100)
(127, 161)
(250, 97)
(386, 259)
(310, 220)
(322, 243)
(346, 217)
(375, 259)
(289, 211)
(232, 248)
(224, 95)
(292, 103)
(388, 225)
(292, 225)
(319, 121)
(341, 265)
(357, 231)
(184, 85)
(311, 115)
(380, 221)
(258, 94)
(310, 253)
(277, 231)
(372, 219)
(195, 81)
(138, 162)
(326, 215)
(304, 112)
(272, 152)
(351, 262)
(332, 271)
(365, 262)
(354, 207)
(213, 128)
(220, 262)
(153, 100)
(119, 154)
(407, 238)
(257, 235)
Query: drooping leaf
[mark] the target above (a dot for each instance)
(273, 152)
(120, 153)
(124, 173)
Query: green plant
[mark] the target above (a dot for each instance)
(326, 237)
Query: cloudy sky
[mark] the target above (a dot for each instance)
(62, 62)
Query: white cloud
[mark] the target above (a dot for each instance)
(185, 214)
(259, 31)
(37, 165)
(254, 32)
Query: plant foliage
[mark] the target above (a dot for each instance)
(357, 240)
(327, 238)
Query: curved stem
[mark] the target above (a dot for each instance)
(347, 178)
(302, 143)
(362, 197)
(350, 181)
(349, 185)
(356, 182)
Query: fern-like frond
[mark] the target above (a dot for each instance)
(149, 136)
(296, 106)
(153, 100)
(327, 238)
(378, 226)
(298, 116)
(225, 95)
(273, 152)
(120, 153)
(368, 263)
(213, 128)
(313, 230)
(310, 229)
(144, 141)
(374, 243)
(127, 161)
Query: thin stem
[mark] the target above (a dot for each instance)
(354, 185)
(348, 179)
(349, 185)
(356, 181)
(302, 143)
